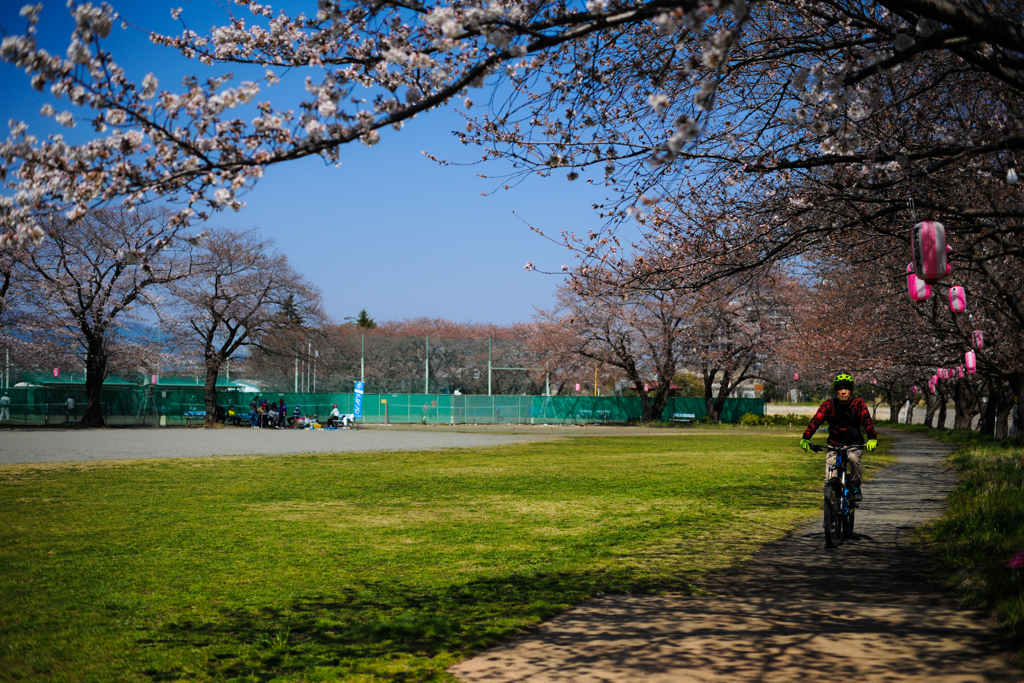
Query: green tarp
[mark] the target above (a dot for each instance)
(38, 405)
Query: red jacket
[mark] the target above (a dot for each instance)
(844, 422)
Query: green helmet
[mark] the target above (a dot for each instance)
(843, 378)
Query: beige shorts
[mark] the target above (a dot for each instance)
(854, 457)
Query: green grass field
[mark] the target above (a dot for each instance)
(372, 566)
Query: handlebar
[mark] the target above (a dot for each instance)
(843, 449)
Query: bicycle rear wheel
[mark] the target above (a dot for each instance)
(848, 525)
(832, 518)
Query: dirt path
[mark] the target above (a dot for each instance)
(864, 612)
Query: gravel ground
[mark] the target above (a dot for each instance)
(64, 445)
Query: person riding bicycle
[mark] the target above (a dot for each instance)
(845, 416)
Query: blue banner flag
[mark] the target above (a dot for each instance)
(357, 408)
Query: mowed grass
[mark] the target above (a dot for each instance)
(371, 566)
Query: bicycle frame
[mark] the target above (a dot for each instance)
(839, 515)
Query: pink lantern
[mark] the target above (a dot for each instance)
(928, 251)
(977, 340)
(949, 265)
(971, 362)
(913, 389)
(919, 291)
(960, 370)
(957, 299)
(578, 387)
(796, 376)
(874, 381)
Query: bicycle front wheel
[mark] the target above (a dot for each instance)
(832, 518)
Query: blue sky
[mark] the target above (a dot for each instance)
(389, 230)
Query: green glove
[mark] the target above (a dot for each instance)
(872, 445)
(805, 444)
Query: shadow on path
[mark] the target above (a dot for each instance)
(866, 610)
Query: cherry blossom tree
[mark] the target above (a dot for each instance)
(244, 290)
(639, 333)
(728, 337)
(93, 277)
(737, 135)
(608, 66)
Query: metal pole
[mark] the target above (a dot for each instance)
(547, 384)
(426, 368)
(7, 371)
(309, 360)
(488, 366)
(296, 369)
(362, 356)
(595, 380)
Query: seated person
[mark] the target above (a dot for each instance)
(347, 421)
(334, 417)
(232, 416)
(221, 415)
(296, 416)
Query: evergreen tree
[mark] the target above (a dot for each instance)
(365, 321)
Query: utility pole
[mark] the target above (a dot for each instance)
(426, 367)
(488, 366)
(296, 369)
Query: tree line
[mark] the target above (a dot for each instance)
(748, 148)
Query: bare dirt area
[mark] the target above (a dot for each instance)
(866, 611)
(24, 446)
(41, 445)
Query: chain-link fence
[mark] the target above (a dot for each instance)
(170, 407)
(401, 364)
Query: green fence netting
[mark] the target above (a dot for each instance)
(169, 407)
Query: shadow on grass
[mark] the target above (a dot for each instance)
(383, 630)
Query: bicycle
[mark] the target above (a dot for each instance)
(839, 506)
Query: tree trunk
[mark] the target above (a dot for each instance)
(723, 393)
(965, 406)
(1003, 420)
(931, 402)
(943, 400)
(895, 403)
(709, 398)
(653, 409)
(1017, 381)
(890, 398)
(987, 427)
(909, 418)
(210, 391)
(95, 374)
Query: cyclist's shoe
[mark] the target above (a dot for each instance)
(856, 494)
